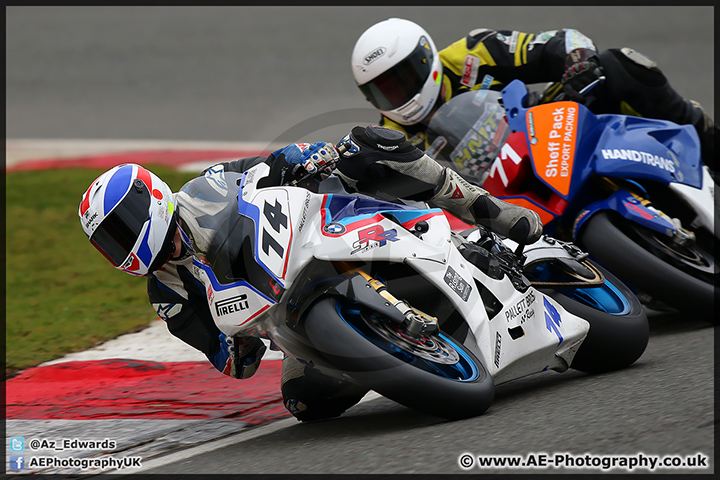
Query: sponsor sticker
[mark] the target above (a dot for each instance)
(574, 39)
(543, 37)
(470, 71)
(334, 228)
(637, 156)
(457, 284)
(231, 305)
(553, 138)
(522, 311)
(373, 237)
(374, 55)
(498, 345)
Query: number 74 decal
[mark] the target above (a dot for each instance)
(274, 231)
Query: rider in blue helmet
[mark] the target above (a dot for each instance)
(133, 218)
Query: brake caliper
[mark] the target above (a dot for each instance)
(417, 323)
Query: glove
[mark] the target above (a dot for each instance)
(313, 157)
(239, 357)
(583, 69)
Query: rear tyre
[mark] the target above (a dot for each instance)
(619, 330)
(436, 375)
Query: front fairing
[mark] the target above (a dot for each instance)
(569, 144)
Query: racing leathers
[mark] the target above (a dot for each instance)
(633, 84)
(179, 298)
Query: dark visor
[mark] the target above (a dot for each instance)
(402, 82)
(117, 233)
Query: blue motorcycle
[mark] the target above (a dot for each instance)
(631, 191)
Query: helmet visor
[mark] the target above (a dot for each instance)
(117, 233)
(401, 83)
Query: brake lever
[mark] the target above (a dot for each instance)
(592, 85)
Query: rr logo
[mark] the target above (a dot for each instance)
(372, 237)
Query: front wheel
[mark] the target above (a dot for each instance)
(680, 277)
(619, 330)
(434, 374)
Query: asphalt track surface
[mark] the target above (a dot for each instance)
(258, 74)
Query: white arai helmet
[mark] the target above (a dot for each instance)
(398, 69)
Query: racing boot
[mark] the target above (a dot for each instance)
(475, 205)
(309, 395)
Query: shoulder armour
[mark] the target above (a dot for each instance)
(476, 36)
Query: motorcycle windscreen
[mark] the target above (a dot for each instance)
(467, 132)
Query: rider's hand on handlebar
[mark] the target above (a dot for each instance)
(579, 75)
(313, 157)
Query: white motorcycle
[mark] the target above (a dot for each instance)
(386, 295)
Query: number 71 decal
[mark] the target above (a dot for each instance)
(505, 152)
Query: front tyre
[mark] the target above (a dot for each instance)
(619, 330)
(435, 375)
(681, 279)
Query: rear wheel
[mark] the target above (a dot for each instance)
(619, 330)
(434, 374)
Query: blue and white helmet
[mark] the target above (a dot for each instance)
(127, 213)
(397, 67)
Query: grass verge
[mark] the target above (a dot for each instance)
(63, 296)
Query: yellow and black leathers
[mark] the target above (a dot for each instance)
(492, 59)
(634, 85)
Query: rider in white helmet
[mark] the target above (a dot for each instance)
(400, 71)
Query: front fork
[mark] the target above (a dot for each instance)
(636, 207)
(417, 323)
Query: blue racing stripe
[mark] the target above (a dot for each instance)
(117, 187)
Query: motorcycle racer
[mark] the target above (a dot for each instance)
(134, 219)
(398, 68)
